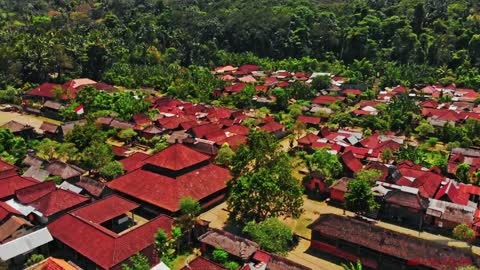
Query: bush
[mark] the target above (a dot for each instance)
(112, 170)
(271, 234)
(220, 256)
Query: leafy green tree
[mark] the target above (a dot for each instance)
(263, 186)
(425, 129)
(97, 155)
(34, 259)
(463, 173)
(161, 242)
(220, 256)
(127, 135)
(359, 197)
(112, 170)
(463, 232)
(225, 155)
(370, 175)
(189, 210)
(232, 265)
(326, 163)
(137, 262)
(271, 234)
(84, 136)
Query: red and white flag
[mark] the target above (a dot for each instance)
(79, 109)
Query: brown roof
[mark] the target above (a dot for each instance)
(93, 187)
(53, 105)
(33, 161)
(406, 199)
(389, 242)
(49, 127)
(15, 126)
(104, 120)
(235, 245)
(121, 125)
(63, 170)
(340, 184)
(281, 263)
(9, 228)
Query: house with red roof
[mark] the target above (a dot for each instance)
(327, 100)
(162, 180)
(7, 170)
(201, 263)
(9, 185)
(49, 201)
(6, 211)
(106, 233)
(450, 192)
(351, 164)
(274, 128)
(406, 205)
(307, 141)
(310, 121)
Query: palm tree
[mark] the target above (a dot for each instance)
(352, 266)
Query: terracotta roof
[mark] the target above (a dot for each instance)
(4, 166)
(261, 256)
(236, 88)
(110, 248)
(341, 184)
(47, 90)
(57, 201)
(308, 139)
(389, 242)
(351, 162)
(427, 184)
(176, 157)
(234, 141)
(325, 100)
(166, 192)
(9, 185)
(235, 245)
(334, 147)
(200, 263)
(272, 127)
(29, 194)
(201, 131)
(309, 119)
(6, 210)
(134, 161)
(238, 130)
(247, 79)
(452, 193)
(249, 68)
(52, 264)
(141, 119)
(355, 92)
(105, 209)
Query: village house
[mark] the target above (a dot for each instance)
(53, 263)
(51, 131)
(170, 175)
(338, 190)
(110, 226)
(17, 250)
(8, 185)
(201, 263)
(238, 247)
(52, 109)
(445, 215)
(379, 248)
(7, 170)
(19, 129)
(405, 206)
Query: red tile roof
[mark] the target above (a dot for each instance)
(334, 147)
(427, 184)
(166, 192)
(238, 129)
(236, 88)
(119, 151)
(249, 68)
(325, 100)
(234, 141)
(261, 256)
(141, 119)
(105, 209)
(6, 210)
(57, 201)
(216, 136)
(9, 185)
(452, 193)
(355, 92)
(309, 119)
(200, 263)
(134, 161)
(110, 249)
(176, 157)
(47, 90)
(351, 162)
(201, 131)
(308, 139)
(5, 167)
(29, 194)
(272, 127)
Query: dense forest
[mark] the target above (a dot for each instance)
(160, 44)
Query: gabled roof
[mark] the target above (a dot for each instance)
(51, 263)
(49, 127)
(9, 185)
(341, 184)
(57, 201)
(309, 119)
(6, 210)
(234, 141)
(110, 248)
(201, 131)
(93, 187)
(200, 263)
(105, 209)
(427, 184)
(272, 127)
(4, 166)
(351, 162)
(238, 130)
(406, 199)
(308, 139)
(235, 245)
(15, 126)
(134, 161)
(25, 244)
(452, 193)
(390, 242)
(29, 194)
(176, 157)
(63, 170)
(47, 90)
(324, 100)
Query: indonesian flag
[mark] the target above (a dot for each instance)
(79, 109)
